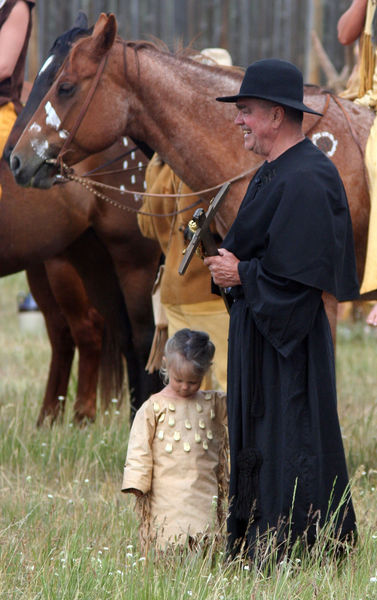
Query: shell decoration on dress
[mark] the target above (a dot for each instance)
(195, 429)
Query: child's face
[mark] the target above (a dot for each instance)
(184, 381)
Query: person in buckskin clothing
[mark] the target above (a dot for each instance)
(176, 460)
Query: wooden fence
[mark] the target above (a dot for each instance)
(249, 29)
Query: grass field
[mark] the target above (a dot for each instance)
(66, 531)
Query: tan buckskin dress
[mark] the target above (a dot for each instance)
(177, 457)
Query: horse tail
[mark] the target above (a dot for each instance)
(111, 373)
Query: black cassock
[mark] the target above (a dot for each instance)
(293, 236)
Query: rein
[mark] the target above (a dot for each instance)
(346, 116)
(90, 184)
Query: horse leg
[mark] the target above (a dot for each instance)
(62, 344)
(102, 285)
(86, 326)
(139, 307)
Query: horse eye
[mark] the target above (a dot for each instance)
(66, 89)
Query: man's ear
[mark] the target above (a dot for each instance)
(278, 114)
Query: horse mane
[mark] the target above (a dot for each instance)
(185, 53)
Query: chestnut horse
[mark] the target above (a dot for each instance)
(169, 103)
(38, 226)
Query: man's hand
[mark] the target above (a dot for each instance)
(224, 268)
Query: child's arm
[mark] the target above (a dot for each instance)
(138, 470)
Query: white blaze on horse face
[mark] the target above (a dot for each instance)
(52, 118)
(35, 128)
(46, 64)
(39, 146)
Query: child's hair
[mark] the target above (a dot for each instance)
(194, 347)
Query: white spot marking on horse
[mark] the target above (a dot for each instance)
(40, 147)
(145, 185)
(35, 128)
(122, 188)
(140, 165)
(325, 141)
(125, 141)
(46, 64)
(132, 155)
(125, 164)
(51, 116)
(133, 179)
(63, 133)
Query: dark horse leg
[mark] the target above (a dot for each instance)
(61, 341)
(102, 285)
(86, 327)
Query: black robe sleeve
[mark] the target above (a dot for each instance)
(283, 310)
(310, 237)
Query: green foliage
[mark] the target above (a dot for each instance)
(67, 533)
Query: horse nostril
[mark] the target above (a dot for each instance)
(15, 163)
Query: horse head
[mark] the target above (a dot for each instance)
(50, 120)
(46, 76)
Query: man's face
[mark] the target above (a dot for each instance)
(255, 118)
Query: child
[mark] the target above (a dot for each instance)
(176, 461)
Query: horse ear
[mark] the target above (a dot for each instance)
(81, 21)
(104, 33)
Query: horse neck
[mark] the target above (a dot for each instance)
(173, 109)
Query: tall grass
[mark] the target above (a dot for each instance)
(66, 531)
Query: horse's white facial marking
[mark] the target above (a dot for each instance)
(325, 141)
(125, 164)
(51, 116)
(63, 134)
(46, 64)
(40, 147)
(125, 141)
(34, 128)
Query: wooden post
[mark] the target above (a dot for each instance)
(313, 69)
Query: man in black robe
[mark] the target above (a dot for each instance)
(291, 240)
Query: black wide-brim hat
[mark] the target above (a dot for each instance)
(276, 80)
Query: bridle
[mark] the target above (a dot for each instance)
(84, 108)
(68, 173)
